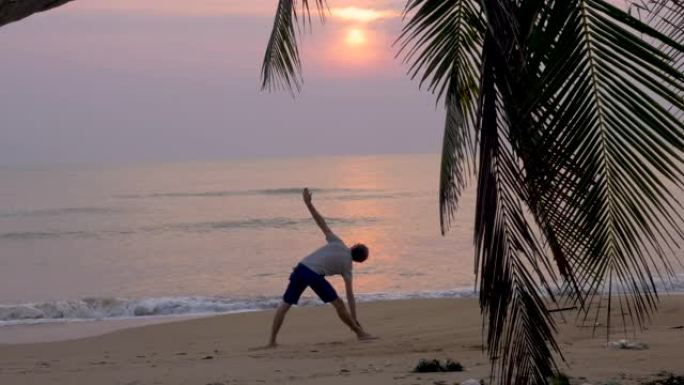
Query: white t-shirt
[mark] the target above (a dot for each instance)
(331, 259)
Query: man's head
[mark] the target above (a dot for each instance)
(359, 252)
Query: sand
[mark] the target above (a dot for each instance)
(316, 349)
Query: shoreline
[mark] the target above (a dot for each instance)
(132, 312)
(317, 349)
(70, 330)
(65, 329)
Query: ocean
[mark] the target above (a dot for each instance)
(210, 237)
(179, 239)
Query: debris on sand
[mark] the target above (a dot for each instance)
(671, 379)
(434, 365)
(628, 345)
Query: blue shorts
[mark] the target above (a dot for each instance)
(303, 277)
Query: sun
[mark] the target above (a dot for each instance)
(356, 37)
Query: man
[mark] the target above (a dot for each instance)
(332, 259)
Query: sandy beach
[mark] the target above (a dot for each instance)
(316, 349)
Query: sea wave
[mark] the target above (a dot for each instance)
(106, 308)
(37, 235)
(261, 223)
(230, 193)
(194, 227)
(375, 196)
(127, 308)
(49, 212)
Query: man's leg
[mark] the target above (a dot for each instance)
(294, 290)
(342, 312)
(278, 322)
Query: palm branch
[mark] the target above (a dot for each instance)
(442, 42)
(619, 143)
(666, 16)
(14, 10)
(282, 65)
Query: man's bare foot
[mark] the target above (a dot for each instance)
(265, 347)
(366, 337)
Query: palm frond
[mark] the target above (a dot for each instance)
(667, 17)
(15, 10)
(584, 102)
(657, 9)
(442, 42)
(604, 112)
(513, 267)
(282, 65)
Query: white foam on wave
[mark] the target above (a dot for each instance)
(131, 308)
(125, 308)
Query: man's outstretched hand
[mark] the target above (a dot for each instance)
(306, 195)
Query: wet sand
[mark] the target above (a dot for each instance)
(316, 349)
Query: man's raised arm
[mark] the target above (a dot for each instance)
(306, 195)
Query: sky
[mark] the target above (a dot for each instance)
(101, 81)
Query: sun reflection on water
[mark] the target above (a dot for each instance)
(356, 173)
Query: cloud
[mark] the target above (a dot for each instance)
(362, 15)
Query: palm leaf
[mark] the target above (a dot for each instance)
(512, 264)
(442, 42)
(605, 111)
(282, 66)
(15, 10)
(584, 102)
(666, 16)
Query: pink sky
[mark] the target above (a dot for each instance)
(127, 80)
(213, 7)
